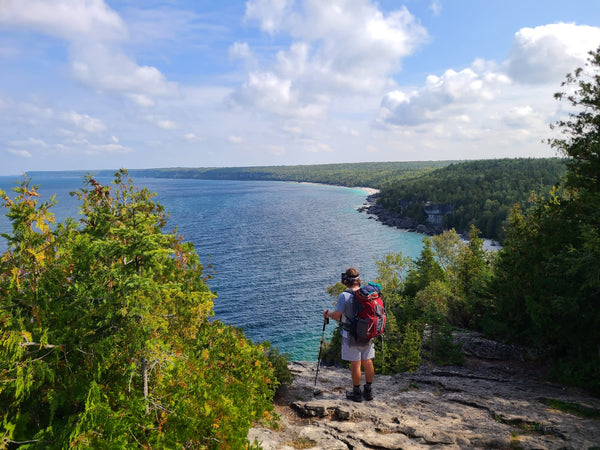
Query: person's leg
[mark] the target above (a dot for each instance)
(369, 370)
(356, 373)
(367, 362)
(355, 394)
(352, 355)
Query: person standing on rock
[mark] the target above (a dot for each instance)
(356, 354)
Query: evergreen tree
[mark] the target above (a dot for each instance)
(409, 349)
(475, 273)
(389, 359)
(548, 278)
(424, 271)
(433, 301)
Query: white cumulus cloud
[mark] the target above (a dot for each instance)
(453, 93)
(107, 148)
(191, 137)
(339, 47)
(270, 14)
(235, 139)
(66, 19)
(318, 147)
(547, 53)
(161, 122)
(106, 67)
(541, 56)
(436, 7)
(95, 35)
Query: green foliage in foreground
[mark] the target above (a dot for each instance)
(106, 339)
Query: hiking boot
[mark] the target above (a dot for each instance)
(368, 393)
(354, 395)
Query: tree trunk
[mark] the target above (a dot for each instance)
(145, 381)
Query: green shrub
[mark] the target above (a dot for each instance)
(409, 352)
(106, 340)
(281, 371)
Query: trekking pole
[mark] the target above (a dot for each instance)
(325, 322)
(383, 349)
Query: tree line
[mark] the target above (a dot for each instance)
(481, 193)
(368, 174)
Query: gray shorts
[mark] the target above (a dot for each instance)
(354, 352)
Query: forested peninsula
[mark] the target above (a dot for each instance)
(479, 193)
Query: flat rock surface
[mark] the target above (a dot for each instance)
(484, 404)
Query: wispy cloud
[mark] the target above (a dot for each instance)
(19, 153)
(85, 122)
(436, 7)
(95, 35)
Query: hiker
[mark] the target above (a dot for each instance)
(356, 353)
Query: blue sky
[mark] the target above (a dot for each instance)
(104, 84)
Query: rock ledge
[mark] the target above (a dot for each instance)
(485, 404)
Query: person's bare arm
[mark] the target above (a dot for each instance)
(335, 315)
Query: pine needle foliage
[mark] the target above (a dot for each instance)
(105, 337)
(548, 277)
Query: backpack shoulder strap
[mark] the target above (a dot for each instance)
(355, 306)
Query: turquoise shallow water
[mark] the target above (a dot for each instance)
(275, 247)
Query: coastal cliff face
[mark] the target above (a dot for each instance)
(488, 403)
(391, 219)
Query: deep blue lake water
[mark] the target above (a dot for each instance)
(275, 247)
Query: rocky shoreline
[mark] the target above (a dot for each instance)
(379, 213)
(490, 402)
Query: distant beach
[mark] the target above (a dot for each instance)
(368, 190)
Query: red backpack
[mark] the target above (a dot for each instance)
(369, 313)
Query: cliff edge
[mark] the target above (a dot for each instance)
(487, 403)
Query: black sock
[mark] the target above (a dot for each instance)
(357, 388)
